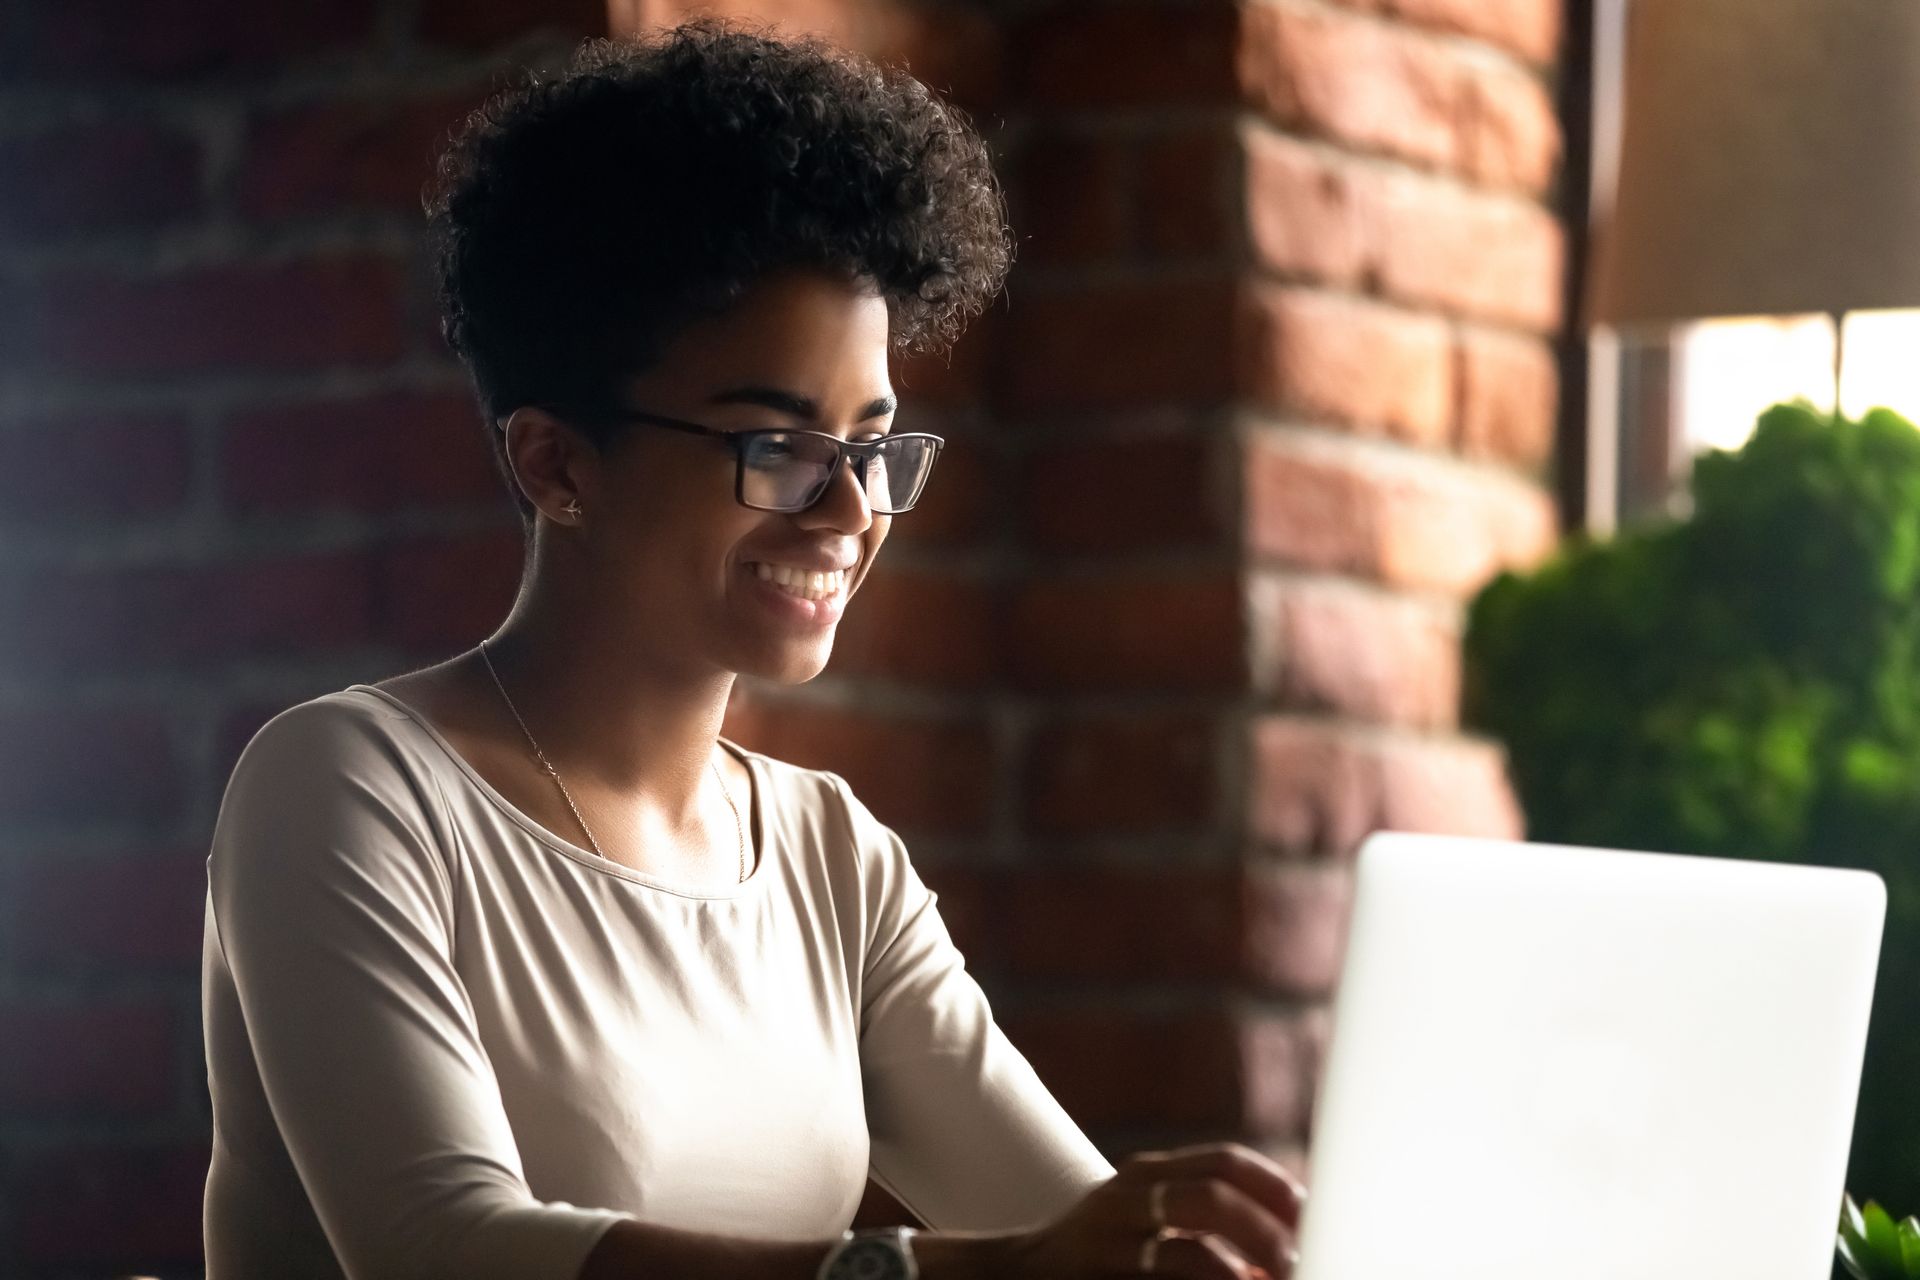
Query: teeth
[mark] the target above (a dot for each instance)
(810, 586)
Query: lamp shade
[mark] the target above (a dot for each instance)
(1769, 162)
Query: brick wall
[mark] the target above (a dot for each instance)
(1177, 625)
(235, 451)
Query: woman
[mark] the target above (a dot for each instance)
(514, 966)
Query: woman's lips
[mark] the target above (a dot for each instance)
(792, 596)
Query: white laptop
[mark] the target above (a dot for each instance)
(1552, 1063)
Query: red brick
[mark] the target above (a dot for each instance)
(440, 595)
(1134, 1067)
(154, 616)
(960, 500)
(111, 466)
(954, 378)
(954, 50)
(1306, 210)
(1139, 772)
(101, 38)
(346, 155)
(921, 627)
(1365, 83)
(1072, 196)
(1122, 193)
(1126, 494)
(969, 897)
(840, 22)
(1509, 131)
(1155, 629)
(374, 453)
(1122, 344)
(483, 24)
(1509, 396)
(127, 1206)
(1358, 652)
(1186, 187)
(1144, 1068)
(1416, 238)
(1315, 1028)
(83, 179)
(1126, 53)
(85, 1059)
(1329, 358)
(141, 912)
(917, 774)
(1294, 927)
(295, 315)
(1278, 1063)
(1282, 929)
(1404, 521)
(1093, 923)
(1380, 88)
(1492, 257)
(1530, 28)
(78, 763)
(1323, 788)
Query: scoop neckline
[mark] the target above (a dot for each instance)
(756, 809)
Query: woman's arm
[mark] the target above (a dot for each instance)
(332, 908)
(962, 1130)
(644, 1251)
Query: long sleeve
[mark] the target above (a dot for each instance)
(962, 1129)
(331, 908)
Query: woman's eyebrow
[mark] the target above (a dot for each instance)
(797, 406)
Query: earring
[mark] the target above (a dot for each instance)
(572, 508)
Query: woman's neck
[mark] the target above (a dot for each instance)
(622, 721)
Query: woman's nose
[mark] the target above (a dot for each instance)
(843, 506)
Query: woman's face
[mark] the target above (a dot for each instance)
(675, 557)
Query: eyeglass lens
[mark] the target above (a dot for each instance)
(788, 471)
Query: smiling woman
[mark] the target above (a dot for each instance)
(514, 966)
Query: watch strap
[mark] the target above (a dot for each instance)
(855, 1255)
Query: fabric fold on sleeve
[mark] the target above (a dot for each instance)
(332, 908)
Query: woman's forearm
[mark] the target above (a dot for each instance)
(644, 1251)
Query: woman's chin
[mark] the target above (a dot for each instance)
(789, 663)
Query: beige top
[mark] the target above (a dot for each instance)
(442, 1041)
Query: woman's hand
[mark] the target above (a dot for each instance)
(1219, 1211)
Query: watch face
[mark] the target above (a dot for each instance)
(870, 1260)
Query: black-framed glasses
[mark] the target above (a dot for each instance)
(782, 470)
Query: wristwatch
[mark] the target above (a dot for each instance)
(880, 1253)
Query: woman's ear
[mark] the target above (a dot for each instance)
(552, 462)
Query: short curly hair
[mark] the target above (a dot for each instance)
(579, 221)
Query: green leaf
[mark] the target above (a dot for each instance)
(1909, 1231)
(1852, 1224)
(1852, 1257)
(1883, 1238)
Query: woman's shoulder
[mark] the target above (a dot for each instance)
(823, 818)
(805, 791)
(351, 730)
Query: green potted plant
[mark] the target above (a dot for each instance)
(1742, 682)
(1873, 1247)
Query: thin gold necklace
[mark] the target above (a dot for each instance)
(739, 829)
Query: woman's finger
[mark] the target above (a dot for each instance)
(1217, 1207)
(1258, 1176)
(1204, 1257)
